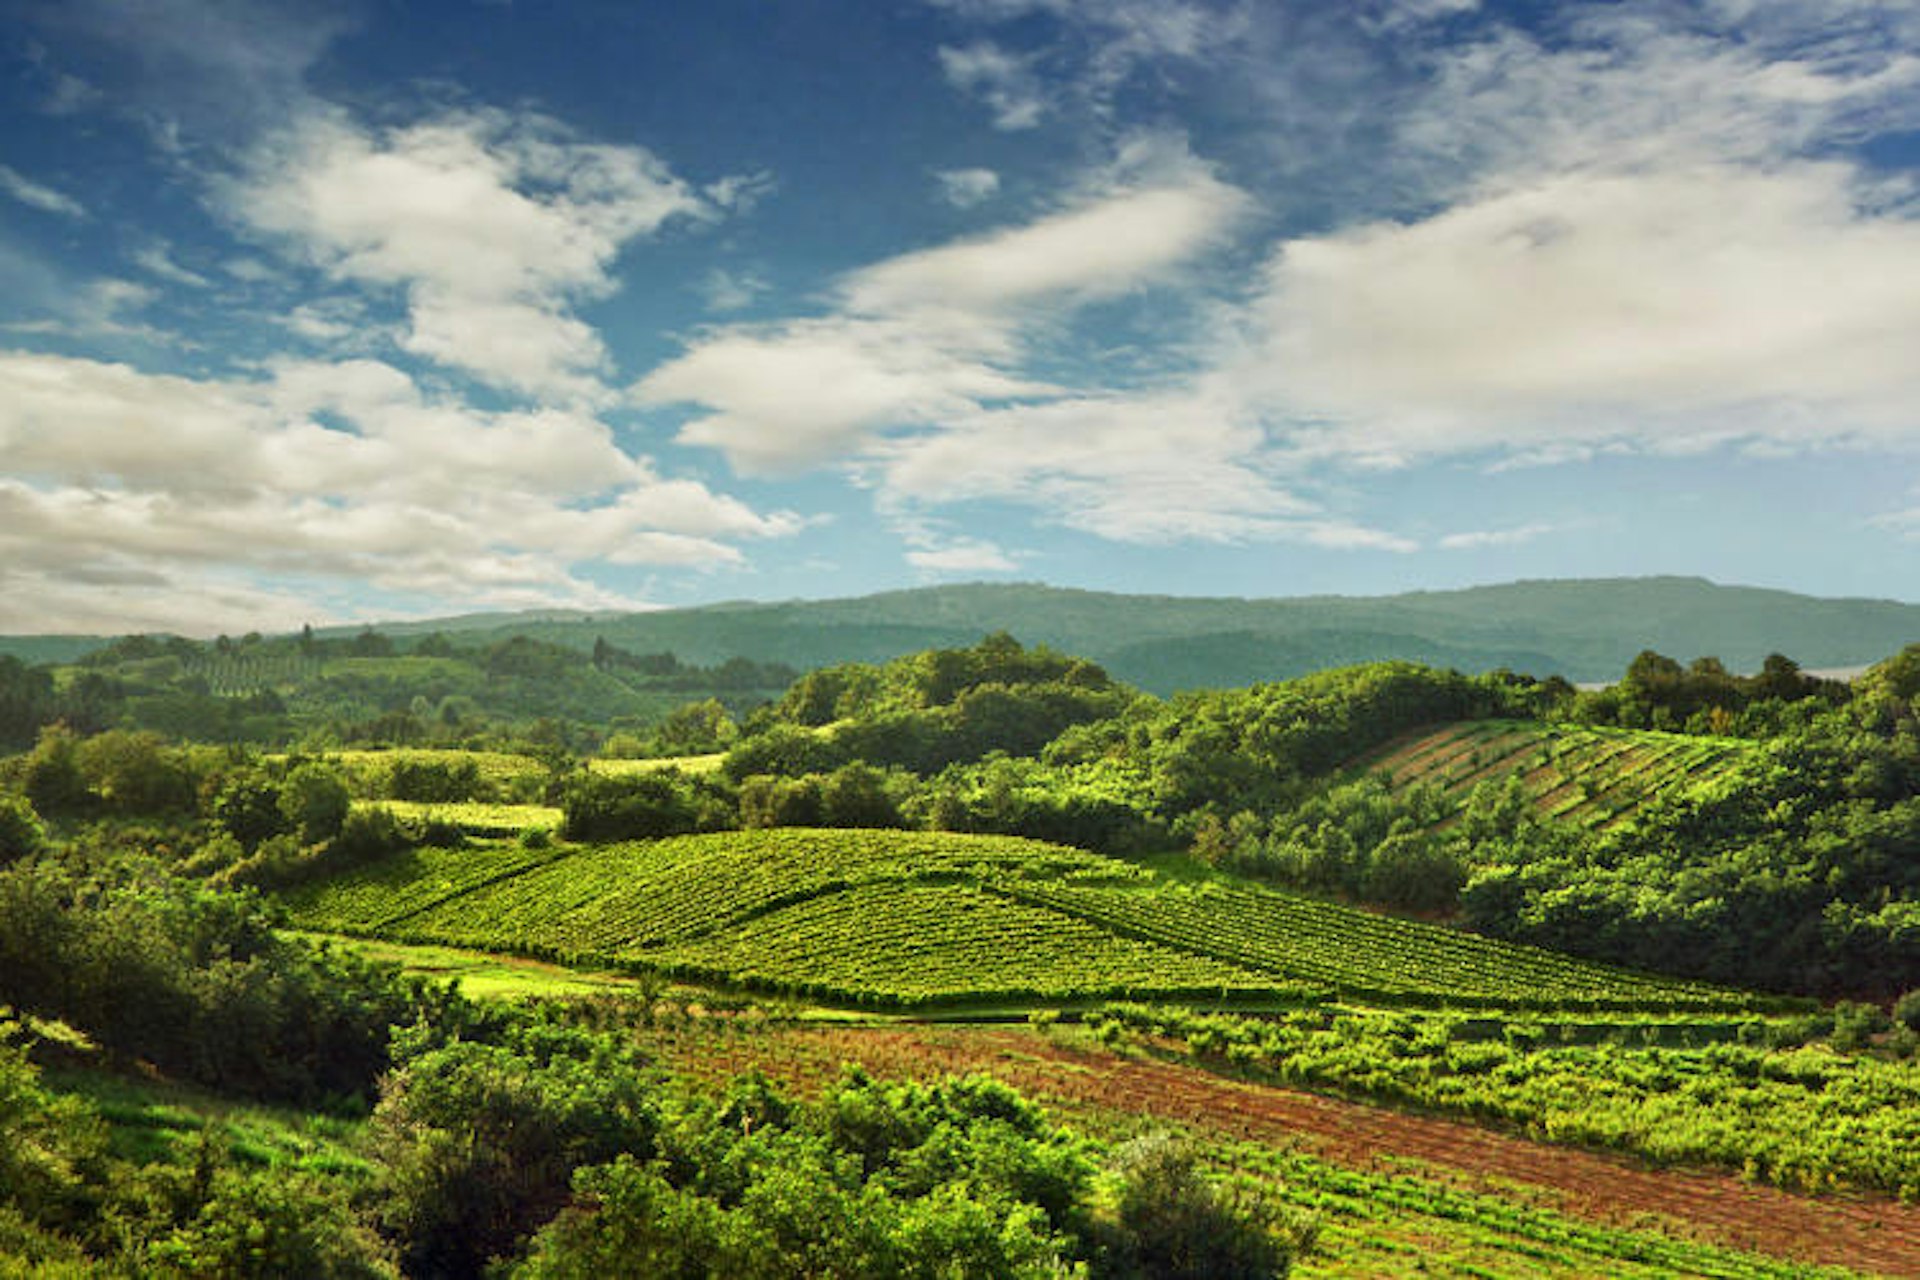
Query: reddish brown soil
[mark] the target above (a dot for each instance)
(1859, 1231)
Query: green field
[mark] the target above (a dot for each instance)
(473, 817)
(1591, 777)
(916, 919)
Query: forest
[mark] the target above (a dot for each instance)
(1675, 918)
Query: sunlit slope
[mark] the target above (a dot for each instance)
(912, 919)
(1592, 777)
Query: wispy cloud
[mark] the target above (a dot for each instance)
(36, 195)
(724, 290)
(969, 556)
(1005, 81)
(930, 337)
(155, 260)
(1481, 539)
(965, 188)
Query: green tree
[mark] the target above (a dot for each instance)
(21, 833)
(315, 802)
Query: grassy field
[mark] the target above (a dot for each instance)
(893, 919)
(474, 818)
(1593, 777)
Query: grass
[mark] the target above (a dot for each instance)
(473, 817)
(154, 1121)
(484, 975)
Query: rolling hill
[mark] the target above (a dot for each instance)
(1585, 630)
(913, 919)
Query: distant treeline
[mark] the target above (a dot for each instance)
(367, 688)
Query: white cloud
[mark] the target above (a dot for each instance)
(803, 392)
(494, 226)
(1480, 539)
(1006, 82)
(929, 337)
(967, 556)
(1140, 469)
(724, 290)
(155, 260)
(1670, 308)
(37, 195)
(335, 472)
(964, 188)
(1104, 248)
(102, 308)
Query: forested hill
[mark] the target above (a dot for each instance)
(1582, 629)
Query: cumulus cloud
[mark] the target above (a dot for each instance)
(493, 226)
(1664, 308)
(334, 472)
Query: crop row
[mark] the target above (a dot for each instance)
(1589, 776)
(620, 897)
(915, 943)
(1366, 956)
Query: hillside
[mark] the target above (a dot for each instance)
(1590, 777)
(906, 919)
(1582, 629)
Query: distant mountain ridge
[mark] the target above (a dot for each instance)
(1584, 629)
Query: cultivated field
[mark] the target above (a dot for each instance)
(916, 919)
(1591, 777)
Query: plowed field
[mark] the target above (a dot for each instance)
(1101, 1088)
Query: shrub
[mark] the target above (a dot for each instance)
(21, 834)
(1173, 1224)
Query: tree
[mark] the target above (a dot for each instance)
(21, 835)
(1175, 1225)
(315, 803)
(695, 729)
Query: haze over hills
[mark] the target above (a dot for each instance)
(1582, 629)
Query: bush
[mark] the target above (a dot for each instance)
(21, 835)
(1906, 1010)
(315, 803)
(1173, 1224)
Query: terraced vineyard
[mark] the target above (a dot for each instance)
(907, 919)
(1592, 777)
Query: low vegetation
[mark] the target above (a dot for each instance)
(1599, 919)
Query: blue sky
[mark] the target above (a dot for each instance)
(316, 312)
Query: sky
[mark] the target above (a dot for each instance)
(323, 312)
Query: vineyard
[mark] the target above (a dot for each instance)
(912, 919)
(1586, 776)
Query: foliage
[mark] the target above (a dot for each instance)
(480, 1141)
(194, 980)
(1172, 1224)
(315, 803)
(1717, 1093)
(639, 806)
(21, 832)
(911, 918)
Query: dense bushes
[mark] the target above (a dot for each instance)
(194, 980)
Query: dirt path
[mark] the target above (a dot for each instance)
(1857, 1231)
